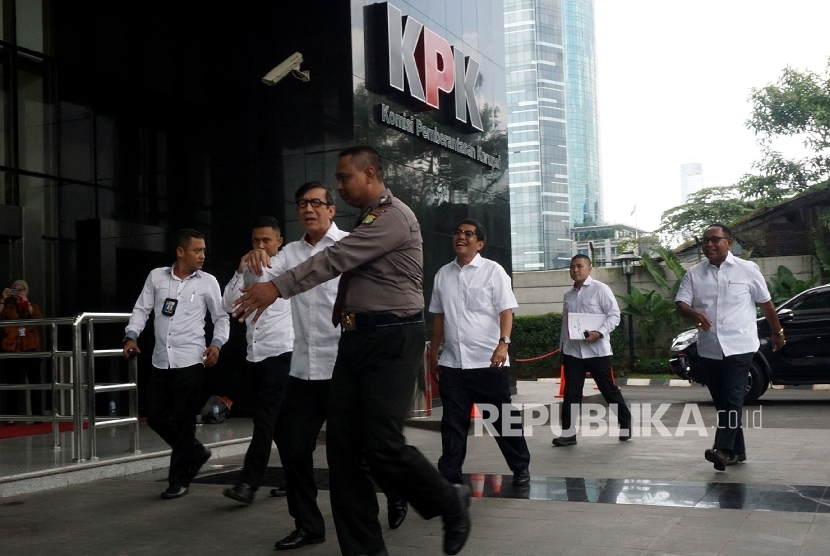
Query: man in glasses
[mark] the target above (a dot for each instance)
(472, 305)
(719, 295)
(380, 307)
(270, 342)
(589, 351)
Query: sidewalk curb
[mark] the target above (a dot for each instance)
(686, 383)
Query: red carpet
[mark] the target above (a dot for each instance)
(19, 429)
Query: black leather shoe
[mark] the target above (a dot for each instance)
(173, 492)
(457, 521)
(279, 491)
(720, 458)
(564, 441)
(396, 512)
(241, 492)
(297, 538)
(625, 434)
(521, 477)
(198, 461)
(741, 457)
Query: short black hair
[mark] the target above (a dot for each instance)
(309, 185)
(481, 233)
(185, 235)
(363, 156)
(726, 231)
(268, 222)
(581, 256)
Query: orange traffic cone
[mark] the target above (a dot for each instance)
(475, 413)
(496, 480)
(477, 482)
(561, 393)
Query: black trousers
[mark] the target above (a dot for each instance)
(173, 403)
(372, 390)
(305, 411)
(600, 369)
(460, 389)
(269, 378)
(726, 380)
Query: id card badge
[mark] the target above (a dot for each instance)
(169, 307)
(21, 332)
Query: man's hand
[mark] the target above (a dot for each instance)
(129, 346)
(592, 336)
(778, 342)
(210, 356)
(255, 299)
(255, 260)
(499, 356)
(702, 322)
(434, 369)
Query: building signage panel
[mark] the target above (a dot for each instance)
(428, 73)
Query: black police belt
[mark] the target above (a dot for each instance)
(363, 321)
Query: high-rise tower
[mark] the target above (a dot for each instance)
(553, 137)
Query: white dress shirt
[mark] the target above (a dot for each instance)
(315, 339)
(180, 339)
(273, 333)
(727, 295)
(593, 297)
(471, 298)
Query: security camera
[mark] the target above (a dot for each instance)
(290, 65)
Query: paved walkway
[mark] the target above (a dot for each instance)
(665, 500)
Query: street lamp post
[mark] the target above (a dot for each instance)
(627, 261)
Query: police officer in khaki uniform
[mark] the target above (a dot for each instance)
(379, 357)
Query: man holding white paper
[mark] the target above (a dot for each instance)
(590, 304)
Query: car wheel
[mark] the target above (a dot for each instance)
(756, 384)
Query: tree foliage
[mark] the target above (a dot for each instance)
(797, 105)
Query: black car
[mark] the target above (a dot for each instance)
(805, 359)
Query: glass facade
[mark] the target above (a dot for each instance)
(552, 128)
(126, 121)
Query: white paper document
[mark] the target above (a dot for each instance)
(580, 322)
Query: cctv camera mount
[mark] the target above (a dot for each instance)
(289, 65)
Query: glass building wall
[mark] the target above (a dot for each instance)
(123, 122)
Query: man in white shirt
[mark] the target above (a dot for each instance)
(270, 341)
(590, 353)
(178, 296)
(472, 305)
(312, 365)
(719, 295)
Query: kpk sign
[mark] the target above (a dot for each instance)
(421, 66)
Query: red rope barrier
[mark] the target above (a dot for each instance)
(537, 358)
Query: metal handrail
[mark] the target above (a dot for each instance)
(80, 374)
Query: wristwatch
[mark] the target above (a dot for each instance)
(505, 339)
(780, 332)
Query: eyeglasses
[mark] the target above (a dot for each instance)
(466, 233)
(316, 203)
(713, 239)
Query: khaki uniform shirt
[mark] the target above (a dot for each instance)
(384, 254)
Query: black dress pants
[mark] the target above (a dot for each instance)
(269, 378)
(460, 389)
(726, 380)
(173, 403)
(600, 369)
(371, 394)
(305, 411)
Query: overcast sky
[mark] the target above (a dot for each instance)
(674, 78)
